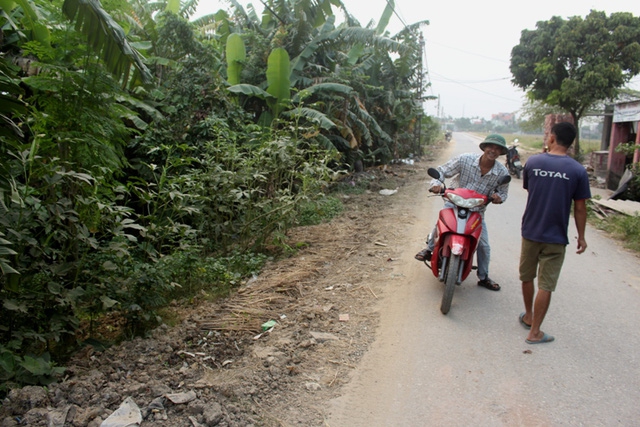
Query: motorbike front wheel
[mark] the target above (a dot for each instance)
(450, 281)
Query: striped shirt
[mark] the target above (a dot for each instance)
(465, 170)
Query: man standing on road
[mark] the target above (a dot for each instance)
(553, 180)
(481, 173)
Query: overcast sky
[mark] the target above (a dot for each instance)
(468, 44)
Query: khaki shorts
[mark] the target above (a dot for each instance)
(544, 258)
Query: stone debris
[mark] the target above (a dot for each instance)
(127, 415)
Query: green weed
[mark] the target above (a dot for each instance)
(625, 228)
(319, 211)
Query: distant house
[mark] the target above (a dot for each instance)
(624, 130)
(503, 119)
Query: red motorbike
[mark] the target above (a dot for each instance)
(457, 234)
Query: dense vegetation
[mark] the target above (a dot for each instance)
(146, 157)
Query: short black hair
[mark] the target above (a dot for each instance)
(565, 133)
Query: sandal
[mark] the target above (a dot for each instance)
(489, 284)
(423, 255)
(545, 338)
(522, 322)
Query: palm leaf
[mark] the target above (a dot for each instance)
(313, 116)
(39, 30)
(324, 142)
(302, 60)
(107, 38)
(339, 142)
(386, 16)
(7, 5)
(173, 6)
(250, 90)
(323, 88)
(369, 37)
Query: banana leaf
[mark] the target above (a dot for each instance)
(108, 39)
(278, 79)
(250, 90)
(236, 55)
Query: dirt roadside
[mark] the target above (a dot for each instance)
(217, 367)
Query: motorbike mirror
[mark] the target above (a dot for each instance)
(504, 179)
(433, 173)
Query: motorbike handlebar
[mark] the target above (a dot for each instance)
(434, 173)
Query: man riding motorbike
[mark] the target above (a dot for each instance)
(478, 172)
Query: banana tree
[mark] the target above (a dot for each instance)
(278, 93)
(356, 57)
(107, 37)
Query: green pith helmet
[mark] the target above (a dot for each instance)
(495, 139)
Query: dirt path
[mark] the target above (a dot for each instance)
(225, 372)
(472, 366)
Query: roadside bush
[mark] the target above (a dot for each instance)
(252, 191)
(318, 211)
(633, 188)
(626, 228)
(191, 273)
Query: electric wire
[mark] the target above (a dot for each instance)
(395, 12)
(476, 89)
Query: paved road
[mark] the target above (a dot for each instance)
(472, 366)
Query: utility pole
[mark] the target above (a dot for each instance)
(418, 129)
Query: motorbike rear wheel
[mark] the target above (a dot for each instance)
(518, 173)
(450, 281)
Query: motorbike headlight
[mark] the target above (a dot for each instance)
(465, 203)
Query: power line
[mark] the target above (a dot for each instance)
(393, 7)
(473, 88)
(483, 81)
(471, 53)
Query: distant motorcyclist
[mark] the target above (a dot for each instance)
(447, 135)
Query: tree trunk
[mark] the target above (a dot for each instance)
(576, 144)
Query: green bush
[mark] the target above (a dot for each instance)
(318, 211)
(633, 188)
(626, 228)
(192, 274)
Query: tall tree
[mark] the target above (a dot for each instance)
(574, 64)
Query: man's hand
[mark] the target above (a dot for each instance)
(435, 189)
(582, 245)
(495, 198)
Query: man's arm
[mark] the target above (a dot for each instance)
(501, 194)
(580, 215)
(449, 169)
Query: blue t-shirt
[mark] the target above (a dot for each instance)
(552, 182)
